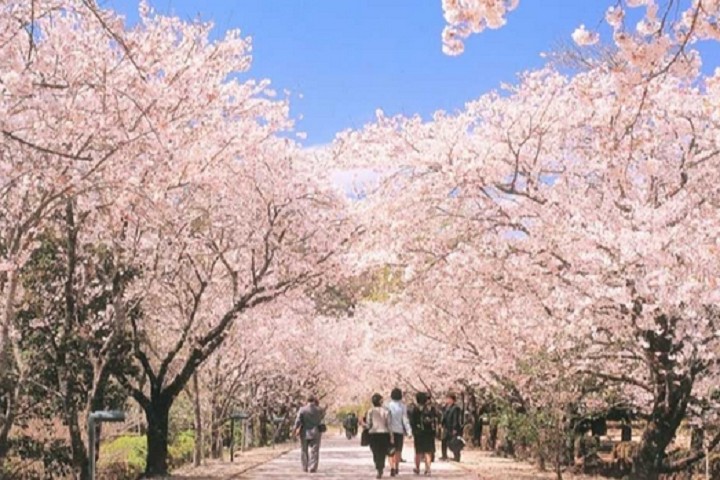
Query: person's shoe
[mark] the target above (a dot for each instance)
(427, 473)
(379, 474)
(416, 471)
(393, 472)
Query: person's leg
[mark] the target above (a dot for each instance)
(394, 458)
(385, 439)
(375, 447)
(444, 449)
(428, 461)
(400, 445)
(314, 455)
(304, 453)
(418, 458)
(390, 459)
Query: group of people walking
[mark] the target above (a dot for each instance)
(385, 427)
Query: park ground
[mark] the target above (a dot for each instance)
(341, 459)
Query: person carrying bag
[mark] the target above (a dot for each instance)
(381, 442)
(309, 427)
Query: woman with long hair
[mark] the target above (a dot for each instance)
(377, 421)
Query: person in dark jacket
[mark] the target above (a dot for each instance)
(423, 420)
(452, 426)
(351, 425)
(308, 428)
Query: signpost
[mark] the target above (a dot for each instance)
(241, 417)
(94, 419)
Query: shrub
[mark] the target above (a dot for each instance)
(123, 458)
(182, 448)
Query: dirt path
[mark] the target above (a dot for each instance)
(341, 459)
(489, 467)
(224, 470)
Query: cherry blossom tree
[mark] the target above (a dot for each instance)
(181, 168)
(266, 367)
(562, 203)
(58, 100)
(660, 38)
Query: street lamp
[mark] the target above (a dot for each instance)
(97, 418)
(241, 417)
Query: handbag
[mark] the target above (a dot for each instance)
(322, 428)
(365, 437)
(456, 445)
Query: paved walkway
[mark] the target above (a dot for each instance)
(342, 459)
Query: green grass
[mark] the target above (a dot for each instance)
(181, 450)
(124, 457)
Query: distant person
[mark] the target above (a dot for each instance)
(452, 426)
(309, 426)
(424, 421)
(351, 425)
(477, 430)
(378, 421)
(399, 427)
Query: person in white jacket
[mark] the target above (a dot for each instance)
(378, 421)
(399, 427)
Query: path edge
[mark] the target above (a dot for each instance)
(287, 448)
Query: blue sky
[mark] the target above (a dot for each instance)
(348, 57)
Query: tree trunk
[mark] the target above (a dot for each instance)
(8, 420)
(672, 394)
(9, 367)
(65, 354)
(263, 427)
(216, 437)
(217, 414)
(648, 463)
(77, 446)
(198, 453)
(492, 437)
(157, 414)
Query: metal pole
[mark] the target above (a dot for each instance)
(91, 447)
(94, 419)
(707, 463)
(244, 428)
(232, 440)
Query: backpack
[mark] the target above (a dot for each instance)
(427, 419)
